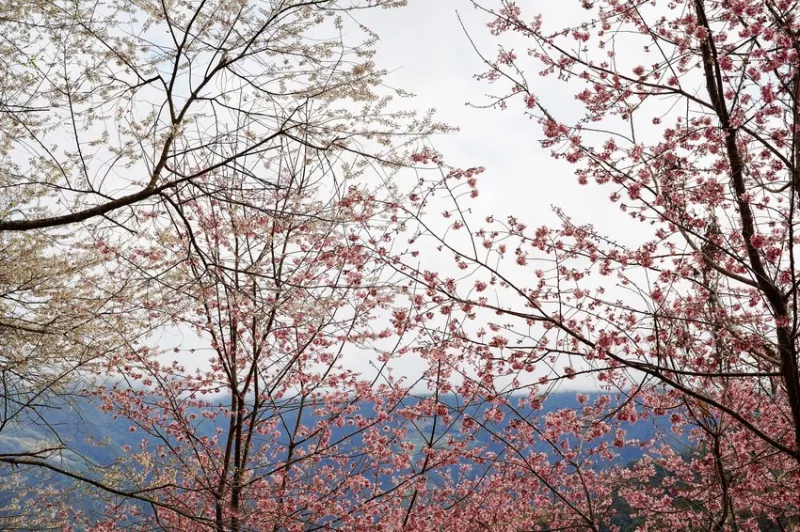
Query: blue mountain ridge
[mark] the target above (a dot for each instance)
(95, 438)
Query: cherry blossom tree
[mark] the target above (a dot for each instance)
(60, 318)
(138, 139)
(280, 291)
(108, 105)
(283, 291)
(689, 125)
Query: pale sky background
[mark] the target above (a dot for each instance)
(427, 52)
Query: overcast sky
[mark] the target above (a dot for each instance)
(428, 53)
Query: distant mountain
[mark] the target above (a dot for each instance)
(97, 439)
